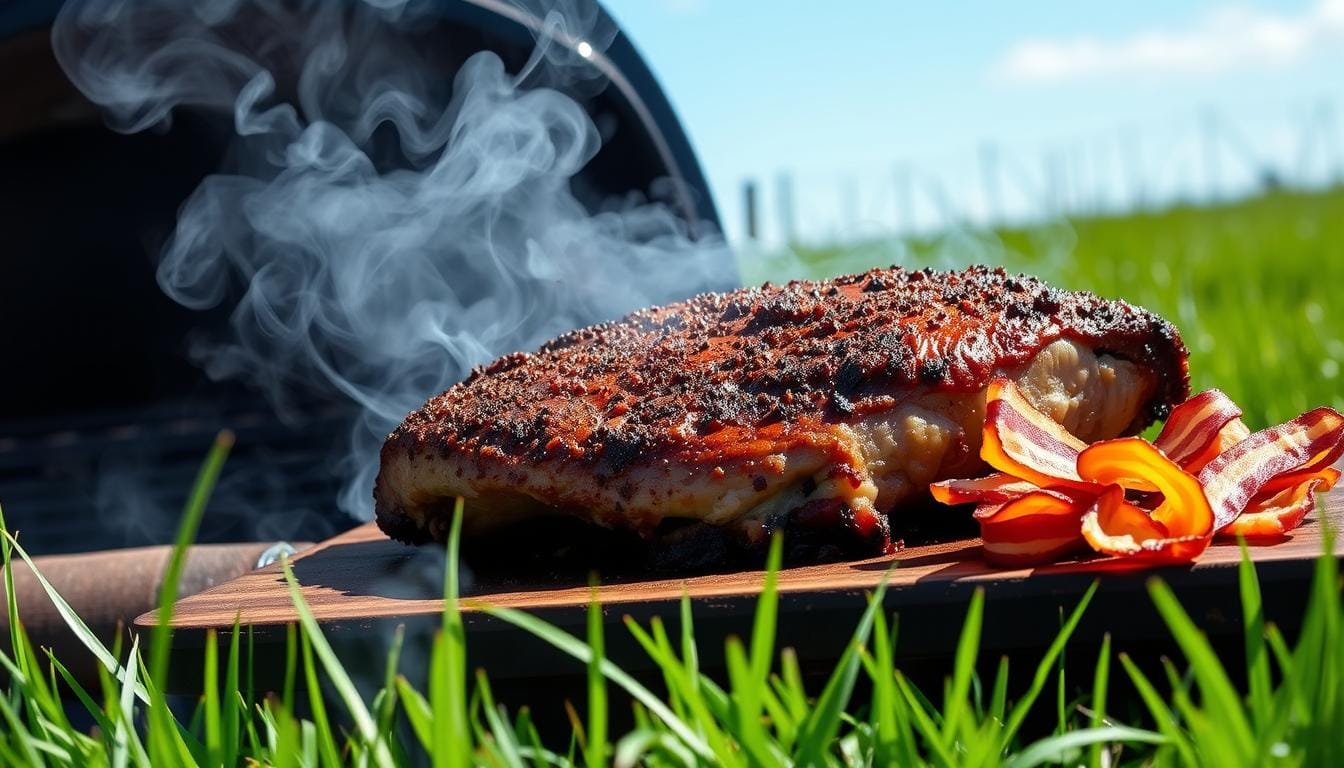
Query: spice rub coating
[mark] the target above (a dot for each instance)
(754, 394)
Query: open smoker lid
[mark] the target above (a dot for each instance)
(104, 417)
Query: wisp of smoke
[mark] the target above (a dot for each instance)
(388, 229)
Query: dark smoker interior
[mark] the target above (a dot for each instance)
(104, 416)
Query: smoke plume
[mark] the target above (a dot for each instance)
(382, 228)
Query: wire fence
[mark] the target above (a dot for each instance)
(1204, 160)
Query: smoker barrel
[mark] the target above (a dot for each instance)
(109, 589)
(104, 418)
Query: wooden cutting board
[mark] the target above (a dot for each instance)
(361, 576)
(364, 588)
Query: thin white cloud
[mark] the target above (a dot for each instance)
(684, 7)
(1227, 38)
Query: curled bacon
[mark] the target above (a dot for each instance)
(1276, 515)
(1026, 443)
(1038, 527)
(1205, 475)
(997, 488)
(1192, 435)
(1327, 478)
(1311, 442)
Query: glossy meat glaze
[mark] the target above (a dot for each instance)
(818, 407)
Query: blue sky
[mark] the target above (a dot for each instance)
(1111, 101)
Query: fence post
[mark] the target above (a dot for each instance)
(1210, 133)
(905, 216)
(749, 208)
(1132, 154)
(784, 202)
(989, 178)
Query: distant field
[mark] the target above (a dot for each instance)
(1255, 287)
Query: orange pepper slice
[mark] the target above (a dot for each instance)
(1113, 526)
(1136, 464)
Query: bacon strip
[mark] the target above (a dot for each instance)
(1191, 436)
(1054, 493)
(1327, 478)
(997, 488)
(1312, 441)
(1026, 443)
(1036, 528)
(1275, 515)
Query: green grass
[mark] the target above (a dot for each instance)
(760, 713)
(1253, 286)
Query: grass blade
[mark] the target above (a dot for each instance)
(18, 733)
(448, 665)
(1100, 682)
(106, 658)
(998, 699)
(96, 712)
(963, 667)
(214, 738)
(418, 712)
(1023, 706)
(1218, 694)
(204, 486)
(326, 742)
(231, 727)
(883, 708)
(336, 673)
(165, 741)
(1162, 715)
(125, 728)
(819, 729)
(746, 695)
(291, 666)
(597, 687)
(388, 711)
(767, 614)
(506, 740)
(704, 703)
(634, 746)
(923, 722)
(577, 649)
(1056, 748)
(1061, 695)
(11, 599)
(1253, 632)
